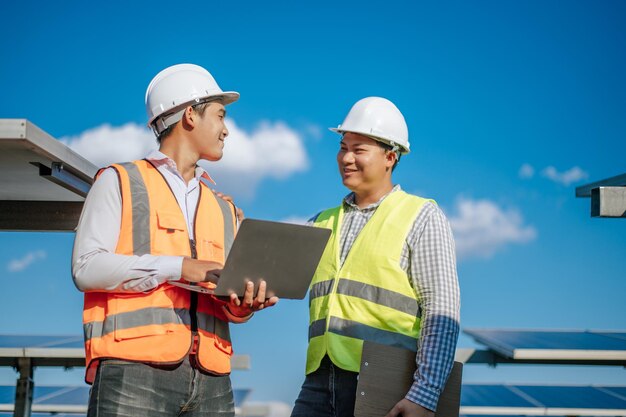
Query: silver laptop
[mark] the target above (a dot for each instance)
(284, 255)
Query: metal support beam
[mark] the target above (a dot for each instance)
(608, 202)
(585, 190)
(60, 175)
(24, 389)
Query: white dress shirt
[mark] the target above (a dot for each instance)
(95, 265)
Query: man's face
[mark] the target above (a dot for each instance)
(362, 162)
(211, 132)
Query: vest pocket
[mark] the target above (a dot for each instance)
(211, 250)
(122, 333)
(170, 222)
(169, 237)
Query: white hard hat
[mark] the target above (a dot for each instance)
(379, 119)
(177, 87)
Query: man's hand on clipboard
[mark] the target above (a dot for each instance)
(406, 408)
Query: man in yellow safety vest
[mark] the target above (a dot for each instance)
(388, 274)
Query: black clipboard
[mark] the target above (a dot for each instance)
(386, 376)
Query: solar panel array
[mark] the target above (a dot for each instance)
(42, 350)
(26, 341)
(542, 345)
(577, 400)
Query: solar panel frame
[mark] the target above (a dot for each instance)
(555, 345)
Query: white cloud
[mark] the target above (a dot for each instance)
(273, 150)
(526, 171)
(481, 228)
(106, 144)
(566, 178)
(17, 265)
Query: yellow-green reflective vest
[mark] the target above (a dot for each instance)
(369, 297)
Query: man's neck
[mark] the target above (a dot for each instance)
(364, 198)
(185, 161)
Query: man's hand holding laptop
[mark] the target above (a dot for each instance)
(208, 273)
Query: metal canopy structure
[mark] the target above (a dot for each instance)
(608, 196)
(546, 347)
(43, 183)
(542, 400)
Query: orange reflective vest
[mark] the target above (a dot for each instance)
(160, 326)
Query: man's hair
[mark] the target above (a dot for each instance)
(389, 148)
(199, 108)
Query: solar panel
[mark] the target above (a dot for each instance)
(543, 345)
(573, 397)
(485, 399)
(47, 414)
(618, 391)
(22, 341)
(491, 395)
(49, 398)
(65, 351)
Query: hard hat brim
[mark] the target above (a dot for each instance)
(226, 98)
(340, 131)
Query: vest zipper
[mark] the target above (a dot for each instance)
(193, 303)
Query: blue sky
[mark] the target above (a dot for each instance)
(510, 106)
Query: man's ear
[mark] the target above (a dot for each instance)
(391, 158)
(189, 118)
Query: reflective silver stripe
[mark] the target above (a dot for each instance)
(229, 232)
(361, 331)
(317, 328)
(379, 295)
(140, 209)
(154, 315)
(137, 318)
(321, 289)
(212, 324)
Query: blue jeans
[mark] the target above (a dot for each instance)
(328, 392)
(132, 389)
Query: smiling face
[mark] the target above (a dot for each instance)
(365, 167)
(210, 132)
